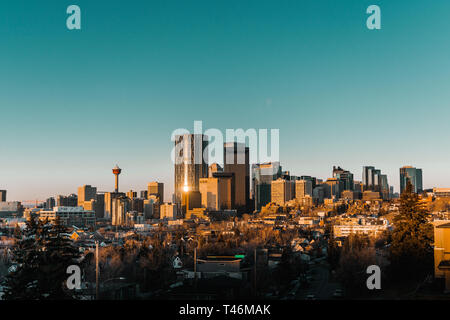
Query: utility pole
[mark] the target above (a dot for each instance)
(96, 271)
(254, 272)
(195, 267)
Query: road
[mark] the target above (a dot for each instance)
(319, 286)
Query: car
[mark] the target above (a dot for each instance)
(310, 297)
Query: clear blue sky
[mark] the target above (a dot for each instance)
(75, 103)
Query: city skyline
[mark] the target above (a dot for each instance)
(77, 102)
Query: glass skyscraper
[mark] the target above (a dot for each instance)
(414, 175)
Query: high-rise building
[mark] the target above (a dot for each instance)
(368, 177)
(303, 188)
(217, 192)
(214, 168)
(67, 201)
(262, 176)
(169, 211)
(190, 200)
(2, 195)
(237, 161)
(413, 175)
(144, 194)
(119, 208)
(132, 194)
(86, 193)
(282, 191)
(50, 203)
(191, 163)
(345, 178)
(156, 189)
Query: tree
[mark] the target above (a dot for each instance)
(411, 250)
(41, 256)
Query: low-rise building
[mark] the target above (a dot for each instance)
(69, 216)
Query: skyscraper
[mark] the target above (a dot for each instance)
(282, 190)
(217, 192)
(413, 175)
(157, 189)
(368, 177)
(191, 163)
(262, 176)
(237, 161)
(345, 178)
(2, 195)
(303, 188)
(86, 193)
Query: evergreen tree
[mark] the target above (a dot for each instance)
(411, 252)
(41, 255)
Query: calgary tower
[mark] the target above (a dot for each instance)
(116, 170)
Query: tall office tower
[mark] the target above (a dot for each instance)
(384, 187)
(144, 194)
(116, 171)
(67, 201)
(156, 189)
(190, 200)
(237, 161)
(132, 194)
(377, 180)
(137, 204)
(99, 206)
(357, 186)
(282, 191)
(368, 177)
(50, 203)
(191, 163)
(86, 193)
(119, 208)
(345, 177)
(2, 195)
(303, 188)
(217, 192)
(262, 176)
(332, 188)
(314, 181)
(215, 167)
(414, 175)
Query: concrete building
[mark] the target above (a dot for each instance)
(282, 191)
(214, 168)
(237, 161)
(67, 201)
(119, 208)
(217, 192)
(262, 176)
(156, 189)
(86, 193)
(2, 195)
(441, 192)
(70, 216)
(131, 194)
(370, 227)
(442, 252)
(190, 200)
(10, 208)
(303, 188)
(168, 211)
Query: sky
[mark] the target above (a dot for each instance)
(74, 103)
